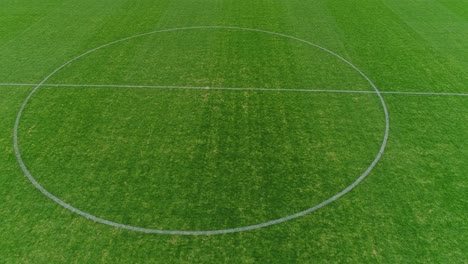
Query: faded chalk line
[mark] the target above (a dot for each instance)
(230, 88)
(208, 232)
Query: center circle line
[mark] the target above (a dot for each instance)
(207, 232)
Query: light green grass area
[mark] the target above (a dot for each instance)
(203, 158)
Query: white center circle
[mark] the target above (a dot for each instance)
(208, 232)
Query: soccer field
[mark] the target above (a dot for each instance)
(234, 131)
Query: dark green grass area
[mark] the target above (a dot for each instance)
(190, 159)
(203, 159)
(214, 57)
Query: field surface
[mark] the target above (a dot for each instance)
(234, 131)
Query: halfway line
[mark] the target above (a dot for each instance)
(232, 89)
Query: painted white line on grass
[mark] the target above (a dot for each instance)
(214, 231)
(426, 93)
(230, 88)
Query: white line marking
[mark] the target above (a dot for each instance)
(207, 232)
(231, 88)
(426, 93)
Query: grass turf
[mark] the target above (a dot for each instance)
(197, 159)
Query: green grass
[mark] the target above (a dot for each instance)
(184, 159)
